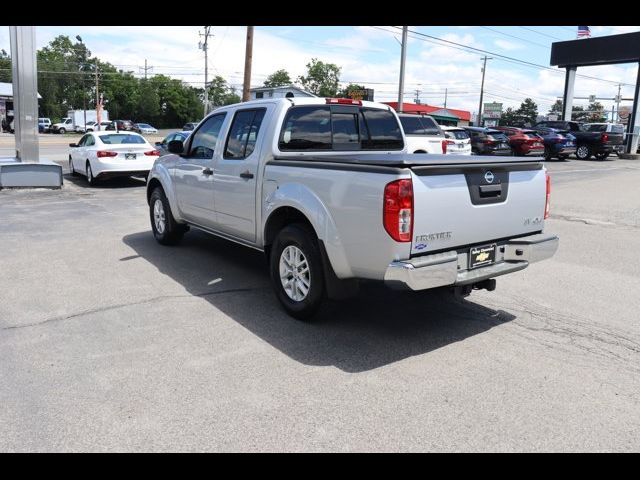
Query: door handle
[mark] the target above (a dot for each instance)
(246, 174)
(207, 171)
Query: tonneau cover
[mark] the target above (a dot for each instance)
(408, 160)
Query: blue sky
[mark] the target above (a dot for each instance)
(367, 54)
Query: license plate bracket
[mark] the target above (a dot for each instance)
(130, 156)
(482, 256)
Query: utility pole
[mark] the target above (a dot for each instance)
(618, 98)
(98, 113)
(417, 100)
(205, 46)
(247, 65)
(145, 68)
(484, 68)
(403, 57)
(445, 97)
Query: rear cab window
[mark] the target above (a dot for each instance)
(339, 128)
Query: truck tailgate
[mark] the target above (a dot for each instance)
(460, 205)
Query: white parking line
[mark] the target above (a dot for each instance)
(595, 169)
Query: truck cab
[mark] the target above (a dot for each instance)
(65, 125)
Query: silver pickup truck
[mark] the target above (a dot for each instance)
(326, 188)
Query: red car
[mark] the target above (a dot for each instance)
(523, 141)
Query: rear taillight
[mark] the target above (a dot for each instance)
(153, 153)
(444, 146)
(604, 137)
(398, 210)
(548, 199)
(104, 153)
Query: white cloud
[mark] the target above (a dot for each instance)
(507, 45)
(366, 55)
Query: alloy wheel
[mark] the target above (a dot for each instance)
(295, 275)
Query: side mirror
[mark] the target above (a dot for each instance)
(176, 146)
(73, 145)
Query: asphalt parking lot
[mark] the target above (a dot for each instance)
(111, 342)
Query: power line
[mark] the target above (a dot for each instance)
(540, 33)
(513, 36)
(507, 58)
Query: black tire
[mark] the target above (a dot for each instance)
(601, 156)
(302, 238)
(71, 169)
(563, 157)
(583, 152)
(169, 232)
(547, 154)
(62, 131)
(91, 180)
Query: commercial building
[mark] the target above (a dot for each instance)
(444, 116)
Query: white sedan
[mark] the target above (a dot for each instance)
(100, 155)
(146, 128)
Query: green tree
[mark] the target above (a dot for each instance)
(596, 113)
(509, 118)
(528, 112)
(322, 78)
(221, 93)
(179, 102)
(278, 78)
(5, 67)
(556, 108)
(579, 115)
(148, 107)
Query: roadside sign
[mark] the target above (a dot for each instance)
(362, 94)
(623, 114)
(492, 110)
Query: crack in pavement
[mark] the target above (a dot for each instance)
(590, 221)
(583, 334)
(129, 304)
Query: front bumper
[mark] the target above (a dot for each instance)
(450, 268)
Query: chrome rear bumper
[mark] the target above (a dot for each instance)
(450, 268)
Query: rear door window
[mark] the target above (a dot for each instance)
(243, 133)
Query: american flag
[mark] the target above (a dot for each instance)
(584, 32)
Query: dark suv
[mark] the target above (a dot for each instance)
(121, 125)
(189, 126)
(488, 141)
